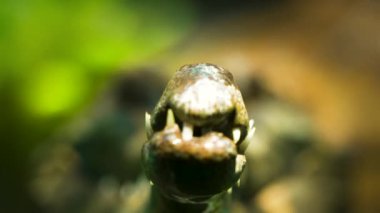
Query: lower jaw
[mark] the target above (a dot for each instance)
(190, 180)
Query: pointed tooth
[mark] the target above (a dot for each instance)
(236, 133)
(240, 163)
(251, 130)
(187, 131)
(151, 183)
(229, 191)
(148, 126)
(147, 120)
(170, 120)
(251, 123)
(238, 183)
(244, 145)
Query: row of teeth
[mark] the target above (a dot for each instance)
(188, 129)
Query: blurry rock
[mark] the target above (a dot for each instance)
(297, 195)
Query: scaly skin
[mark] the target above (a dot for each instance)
(194, 150)
(204, 95)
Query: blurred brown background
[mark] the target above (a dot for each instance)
(76, 78)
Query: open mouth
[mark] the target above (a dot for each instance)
(185, 140)
(180, 137)
(188, 167)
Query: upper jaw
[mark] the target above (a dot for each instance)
(182, 141)
(202, 102)
(239, 135)
(191, 125)
(201, 120)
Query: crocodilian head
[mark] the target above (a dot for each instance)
(197, 135)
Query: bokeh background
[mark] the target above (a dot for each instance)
(76, 78)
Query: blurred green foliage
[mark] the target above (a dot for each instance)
(55, 56)
(54, 52)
